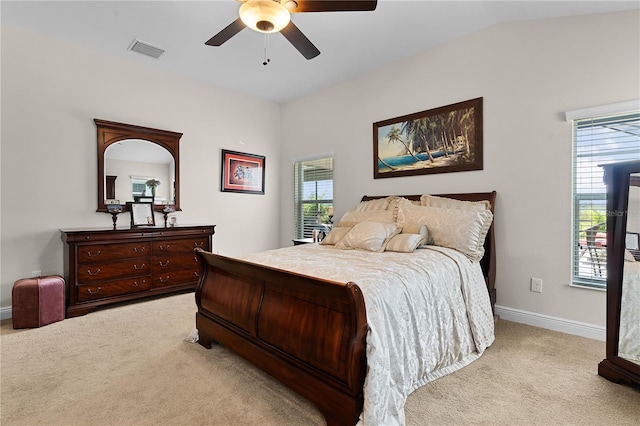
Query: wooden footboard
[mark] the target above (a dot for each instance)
(306, 332)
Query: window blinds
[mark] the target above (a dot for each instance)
(313, 195)
(597, 141)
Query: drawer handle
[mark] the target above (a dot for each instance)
(135, 249)
(165, 279)
(198, 244)
(137, 268)
(93, 255)
(163, 264)
(135, 283)
(195, 258)
(196, 274)
(165, 247)
(93, 273)
(94, 292)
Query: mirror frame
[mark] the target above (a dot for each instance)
(110, 132)
(617, 178)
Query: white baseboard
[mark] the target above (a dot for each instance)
(5, 313)
(552, 323)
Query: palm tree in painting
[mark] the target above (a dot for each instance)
(417, 131)
(385, 163)
(395, 135)
(467, 125)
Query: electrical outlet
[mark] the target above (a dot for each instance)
(536, 285)
(36, 273)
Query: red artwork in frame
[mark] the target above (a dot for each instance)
(242, 172)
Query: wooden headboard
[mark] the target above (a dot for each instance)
(488, 262)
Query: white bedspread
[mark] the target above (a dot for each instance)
(428, 315)
(629, 340)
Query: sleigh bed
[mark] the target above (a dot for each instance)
(297, 314)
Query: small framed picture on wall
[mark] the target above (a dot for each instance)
(242, 172)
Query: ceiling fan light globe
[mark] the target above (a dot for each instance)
(265, 16)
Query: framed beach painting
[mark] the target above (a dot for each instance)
(439, 140)
(242, 172)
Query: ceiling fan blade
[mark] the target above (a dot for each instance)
(299, 41)
(333, 6)
(229, 31)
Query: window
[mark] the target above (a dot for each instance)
(313, 195)
(602, 135)
(139, 186)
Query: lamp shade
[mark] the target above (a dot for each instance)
(265, 16)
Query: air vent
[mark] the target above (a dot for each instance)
(145, 49)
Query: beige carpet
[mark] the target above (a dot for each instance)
(130, 365)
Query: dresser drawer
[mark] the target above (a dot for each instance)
(109, 265)
(115, 269)
(113, 288)
(174, 278)
(175, 262)
(180, 246)
(105, 252)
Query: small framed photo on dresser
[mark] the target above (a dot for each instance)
(114, 208)
(141, 214)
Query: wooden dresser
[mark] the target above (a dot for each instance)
(104, 266)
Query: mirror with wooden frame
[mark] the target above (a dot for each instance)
(622, 363)
(137, 164)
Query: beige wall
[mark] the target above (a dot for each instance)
(52, 91)
(529, 74)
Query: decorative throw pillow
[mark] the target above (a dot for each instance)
(422, 230)
(353, 217)
(376, 204)
(335, 235)
(450, 203)
(370, 236)
(463, 230)
(404, 243)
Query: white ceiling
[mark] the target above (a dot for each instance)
(350, 42)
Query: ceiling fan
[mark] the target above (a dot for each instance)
(270, 16)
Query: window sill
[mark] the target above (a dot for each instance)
(587, 287)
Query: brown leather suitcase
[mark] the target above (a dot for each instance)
(37, 301)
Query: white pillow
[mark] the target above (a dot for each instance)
(463, 230)
(451, 203)
(404, 243)
(335, 235)
(628, 257)
(353, 217)
(370, 236)
(375, 204)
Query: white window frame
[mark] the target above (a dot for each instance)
(303, 228)
(580, 248)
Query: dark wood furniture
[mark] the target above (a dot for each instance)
(110, 132)
(308, 333)
(106, 265)
(618, 178)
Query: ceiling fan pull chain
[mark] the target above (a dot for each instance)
(266, 50)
